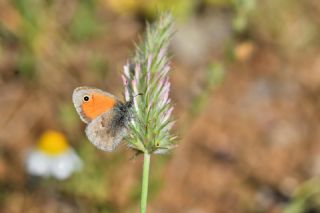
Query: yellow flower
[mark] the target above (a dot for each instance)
(52, 143)
(123, 6)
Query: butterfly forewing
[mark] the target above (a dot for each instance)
(92, 102)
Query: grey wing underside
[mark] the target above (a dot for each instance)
(100, 133)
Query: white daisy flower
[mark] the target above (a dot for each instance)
(52, 157)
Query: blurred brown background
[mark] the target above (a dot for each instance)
(245, 84)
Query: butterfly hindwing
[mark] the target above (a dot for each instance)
(102, 133)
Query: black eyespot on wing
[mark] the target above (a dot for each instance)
(86, 98)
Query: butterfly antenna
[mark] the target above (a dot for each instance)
(133, 97)
(137, 95)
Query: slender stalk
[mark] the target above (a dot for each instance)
(147, 74)
(145, 180)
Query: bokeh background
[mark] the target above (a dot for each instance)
(245, 84)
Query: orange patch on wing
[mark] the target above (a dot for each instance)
(97, 105)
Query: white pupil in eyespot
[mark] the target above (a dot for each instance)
(86, 98)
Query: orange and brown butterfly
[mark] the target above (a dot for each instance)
(106, 116)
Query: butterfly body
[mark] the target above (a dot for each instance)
(106, 116)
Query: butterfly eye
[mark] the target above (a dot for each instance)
(86, 98)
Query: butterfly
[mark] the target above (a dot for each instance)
(107, 118)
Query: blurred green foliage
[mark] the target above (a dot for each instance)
(181, 9)
(219, 3)
(29, 11)
(99, 65)
(67, 116)
(213, 78)
(156, 176)
(306, 198)
(84, 23)
(33, 23)
(26, 64)
(242, 9)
